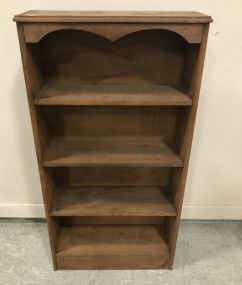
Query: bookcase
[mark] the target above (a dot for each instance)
(113, 99)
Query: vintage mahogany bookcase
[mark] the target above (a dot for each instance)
(113, 99)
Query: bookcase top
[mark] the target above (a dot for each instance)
(55, 16)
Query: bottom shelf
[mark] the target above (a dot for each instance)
(112, 247)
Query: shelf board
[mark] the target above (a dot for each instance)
(112, 201)
(126, 95)
(120, 247)
(110, 152)
(60, 16)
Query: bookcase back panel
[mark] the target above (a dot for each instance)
(106, 122)
(150, 56)
(129, 220)
(111, 176)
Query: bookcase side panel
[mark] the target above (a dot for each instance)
(178, 176)
(33, 81)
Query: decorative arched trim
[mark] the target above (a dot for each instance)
(34, 32)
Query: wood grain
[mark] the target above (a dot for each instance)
(111, 176)
(112, 201)
(113, 16)
(113, 98)
(71, 221)
(110, 152)
(147, 57)
(124, 95)
(178, 178)
(34, 32)
(33, 80)
(112, 247)
(140, 122)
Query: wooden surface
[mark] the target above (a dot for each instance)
(128, 95)
(178, 179)
(120, 247)
(112, 201)
(70, 221)
(112, 16)
(146, 57)
(115, 152)
(33, 79)
(120, 122)
(120, 130)
(111, 176)
(35, 32)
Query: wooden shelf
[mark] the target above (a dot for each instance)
(116, 247)
(113, 201)
(117, 152)
(127, 95)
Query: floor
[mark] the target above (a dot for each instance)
(207, 253)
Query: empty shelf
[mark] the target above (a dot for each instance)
(112, 201)
(127, 95)
(115, 152)
(120, 247)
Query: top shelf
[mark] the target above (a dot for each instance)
(126, 95)
(113, 16)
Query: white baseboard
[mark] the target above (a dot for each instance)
(22, 211)
(212, 212)
(188, 212)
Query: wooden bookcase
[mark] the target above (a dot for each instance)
(113, 99)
